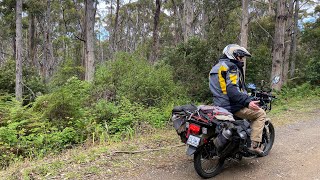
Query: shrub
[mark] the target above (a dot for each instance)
(134, 78)
(303, 91)
(32, 83)
(313, 69)
(133, 115)
(66, 71)
(66, 102)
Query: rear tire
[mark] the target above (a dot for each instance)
(206, 164)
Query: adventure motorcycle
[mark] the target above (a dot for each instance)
(213, 135)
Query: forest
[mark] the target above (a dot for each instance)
(76, 72)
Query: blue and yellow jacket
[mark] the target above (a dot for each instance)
(227, 85)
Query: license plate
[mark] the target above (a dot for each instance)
(193, 141)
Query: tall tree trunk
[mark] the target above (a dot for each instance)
(188, 16)
(205, 19)
(49, 58)
(101, 47)
(155, 45)
(115, 28)
(287, 43)
(89, 33)
(136, 30)
(65, 46)
(278, 46)
(244, 28)
(31, 41)
(81, 54)
(18, 54)
(294, 40)
(177, 23)
(270, 9)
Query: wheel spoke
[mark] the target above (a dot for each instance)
(208, 163)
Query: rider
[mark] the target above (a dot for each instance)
(227, 84)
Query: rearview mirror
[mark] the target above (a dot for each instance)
(251, 86)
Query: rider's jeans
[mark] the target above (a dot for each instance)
(257, 119)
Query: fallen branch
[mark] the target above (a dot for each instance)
(146, 150)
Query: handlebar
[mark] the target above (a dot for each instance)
(265, 98)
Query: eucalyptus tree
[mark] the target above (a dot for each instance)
(188, 19)
(113, 38)
(244, 27)
(177, 8)
(288, 39)
(155, 44)
(294, 39)
(46, 65)
(278, 47)
(90, 10)
(18, 54)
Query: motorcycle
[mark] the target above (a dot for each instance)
(213, 135)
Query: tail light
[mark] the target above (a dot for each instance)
(194, 129)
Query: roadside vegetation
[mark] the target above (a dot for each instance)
(128, 97)
(105, 158)
(78, 84)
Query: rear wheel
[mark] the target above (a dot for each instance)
(207, 164)
(268, 137)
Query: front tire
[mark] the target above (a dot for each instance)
(206, 164)
(268, 137)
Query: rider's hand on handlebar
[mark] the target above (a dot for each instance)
(254, 105)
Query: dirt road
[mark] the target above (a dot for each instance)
(295, 155)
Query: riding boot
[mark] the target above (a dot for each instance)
(256, 149)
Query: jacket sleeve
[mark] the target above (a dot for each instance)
(233, 90)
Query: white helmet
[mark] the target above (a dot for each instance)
(232, 51)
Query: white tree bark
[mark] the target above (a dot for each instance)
(89, 38)
(49, 58)
(244, 28)
(31, 41)
(294, 40)
(188, 16)
(270, 7)
(115, 28)
(278, 46)
(289, 29)
(178, 23)
(18, 55)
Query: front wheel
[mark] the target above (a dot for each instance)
(207, 164)
(268, 137)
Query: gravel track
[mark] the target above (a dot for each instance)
(295, 155)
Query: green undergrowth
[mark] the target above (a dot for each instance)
(108, 159)
(94, 161)
(295, 104)
(128, 98)
(115, 107)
